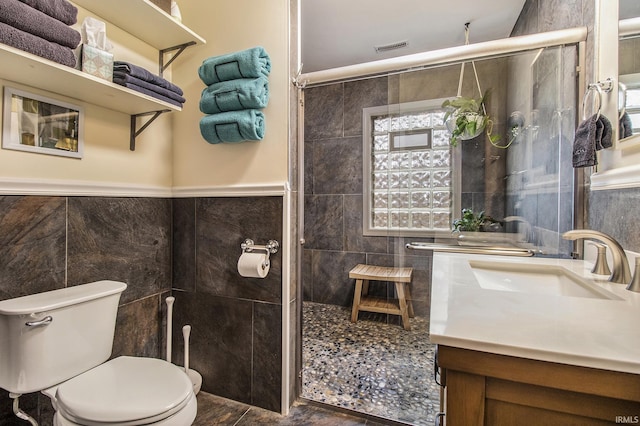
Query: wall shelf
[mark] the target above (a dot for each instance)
(144, 20)
(31, 70)
(140, 18)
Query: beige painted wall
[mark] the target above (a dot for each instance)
(230, 26)
(171, 152)
(107, 158)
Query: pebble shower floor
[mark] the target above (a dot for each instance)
(370, 366)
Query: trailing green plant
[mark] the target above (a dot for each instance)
(472, 222)
(470, 117)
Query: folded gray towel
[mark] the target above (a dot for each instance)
(143, 74)
(584, 144)
(36, 45)
(124, 78)
(61, 10)
(32, 21)
(149, 93)
(233, 95)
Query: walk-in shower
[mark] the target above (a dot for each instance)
(379, 172)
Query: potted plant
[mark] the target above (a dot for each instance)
(466, 118)
(472, 222)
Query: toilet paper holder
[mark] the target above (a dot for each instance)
(249, 246)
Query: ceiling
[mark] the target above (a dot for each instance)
(337, 33)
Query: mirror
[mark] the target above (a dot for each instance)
(629, 71)
(38, 124)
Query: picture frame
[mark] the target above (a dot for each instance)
(39, 124)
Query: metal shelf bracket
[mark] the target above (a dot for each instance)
(155, 114)
(135, 133)
(180, 48)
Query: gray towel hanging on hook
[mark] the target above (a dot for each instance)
(595, 132)
(603, 133)
(592, 135)
(584, 145)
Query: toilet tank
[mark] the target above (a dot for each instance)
(49, 337)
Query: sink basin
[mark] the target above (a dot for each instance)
(549, 280)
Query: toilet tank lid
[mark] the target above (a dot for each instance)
(55, 299)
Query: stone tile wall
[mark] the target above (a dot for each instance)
(555, 103)
(334, 241)
(608, 211)
(613, 212)
(605, 209)
(236, 322)
(48, 243)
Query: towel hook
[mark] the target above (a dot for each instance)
(597, 100)
(600, 87)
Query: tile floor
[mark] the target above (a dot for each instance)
(214, 410)
(370, 366)
(368, 373)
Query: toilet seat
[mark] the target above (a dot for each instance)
(125, 391)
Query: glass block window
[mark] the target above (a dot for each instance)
(409, 179)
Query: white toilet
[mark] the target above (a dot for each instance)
(57, 342)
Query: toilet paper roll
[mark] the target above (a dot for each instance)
(253, 265)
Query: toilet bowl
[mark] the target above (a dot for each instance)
(125, 391)
(59, 342)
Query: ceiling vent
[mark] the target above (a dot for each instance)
(391, 46)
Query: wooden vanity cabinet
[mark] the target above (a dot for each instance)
(494, 390)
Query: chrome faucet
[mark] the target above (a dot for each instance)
(621, 272)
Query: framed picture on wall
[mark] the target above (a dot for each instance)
(35, 123)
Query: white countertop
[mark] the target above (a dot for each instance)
(589, 332)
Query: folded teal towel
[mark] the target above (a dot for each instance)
(232, 95)
(233, 126)
(250, 63)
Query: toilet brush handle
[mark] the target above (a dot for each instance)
(186, 331)
(169, 301)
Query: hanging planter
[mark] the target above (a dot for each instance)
(467, 118)
(466, 126)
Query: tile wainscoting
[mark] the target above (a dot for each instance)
(187, 247)
(236, 336)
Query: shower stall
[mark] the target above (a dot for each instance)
(379, 172)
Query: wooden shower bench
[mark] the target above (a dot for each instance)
(362, 302)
